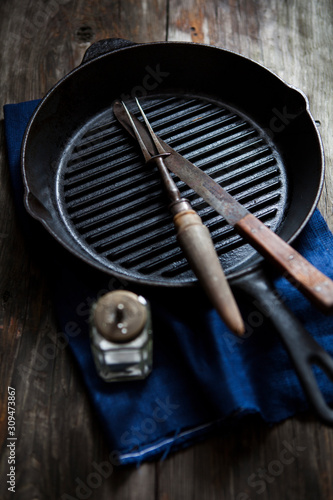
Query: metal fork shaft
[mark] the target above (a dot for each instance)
(169, 184)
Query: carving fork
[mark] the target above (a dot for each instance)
(193, 236)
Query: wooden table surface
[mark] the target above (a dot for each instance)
(58, 436)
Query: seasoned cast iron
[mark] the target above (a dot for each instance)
(86, 182)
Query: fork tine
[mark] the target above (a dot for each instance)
(157, 143)
(142, 145)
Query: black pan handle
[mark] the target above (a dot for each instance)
(105, 46)
(303, 350)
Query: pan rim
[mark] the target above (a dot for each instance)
(89, 259)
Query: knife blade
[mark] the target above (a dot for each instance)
(317, 287)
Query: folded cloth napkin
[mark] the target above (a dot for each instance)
(203, 377)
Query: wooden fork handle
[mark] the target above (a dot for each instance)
(317, 287)
(196, 243)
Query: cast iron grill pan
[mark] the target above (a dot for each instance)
(85, 179)
(114, 206)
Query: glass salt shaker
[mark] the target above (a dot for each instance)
(121, 336)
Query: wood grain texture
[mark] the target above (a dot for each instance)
(58, 437)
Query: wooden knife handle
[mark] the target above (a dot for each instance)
(196, 243)
(317, 287)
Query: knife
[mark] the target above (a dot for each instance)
(317, 287)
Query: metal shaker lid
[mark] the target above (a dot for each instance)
(120, 316)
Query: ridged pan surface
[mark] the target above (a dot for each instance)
(114, 205)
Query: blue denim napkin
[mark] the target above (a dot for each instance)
(203, 377)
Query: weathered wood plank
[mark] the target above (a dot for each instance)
(58, 439)
(293, 39)
(253, 460)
